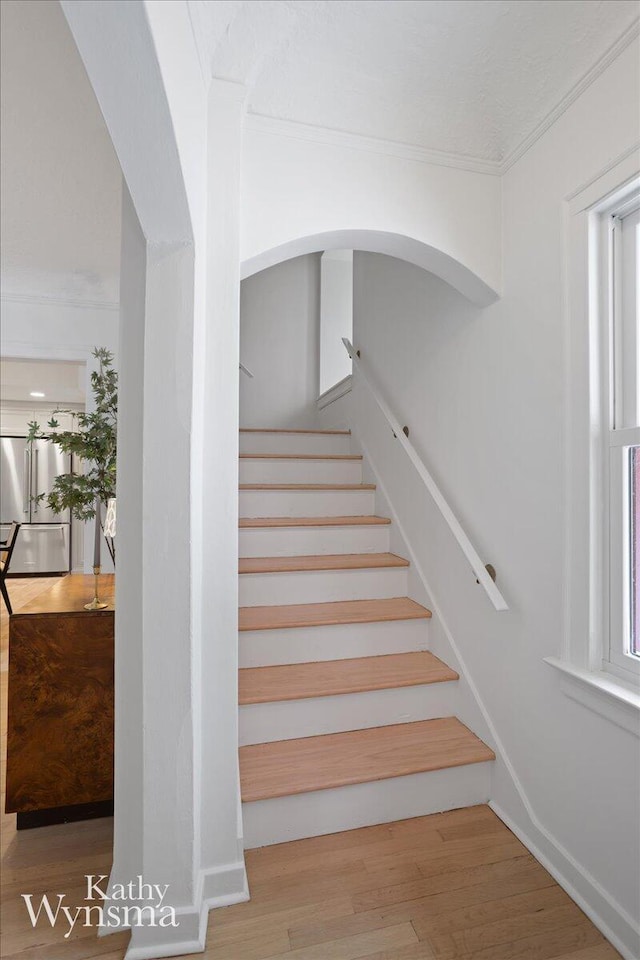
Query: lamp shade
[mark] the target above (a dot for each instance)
(110, 519)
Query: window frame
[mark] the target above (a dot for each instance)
(617, 373)
(586, 672)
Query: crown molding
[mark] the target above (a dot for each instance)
(59, 301)
(614, 51)
(407, 151)
(258, 123)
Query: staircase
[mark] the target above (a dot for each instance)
(345, 716)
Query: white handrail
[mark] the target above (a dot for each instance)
(454, 525)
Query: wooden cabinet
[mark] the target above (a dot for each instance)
(60, 700)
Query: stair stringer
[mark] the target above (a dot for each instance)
(507, 796)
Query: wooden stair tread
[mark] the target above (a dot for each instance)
(338, 561)
(341, 433)
(328, 614)
(300, 456)
(289, 767)
(298, 681)
(312, 521)
(307, 486)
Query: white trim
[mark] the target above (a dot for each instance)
(614, 51)
(28, 350)
(586, 417)
(295, 130)
(218, 887)
(571, 868)
(602, 693)
(436, 494)
(273, 126)
(338, 390)
(615, 174)
(572, 876)
(222, 886)
(59, 301)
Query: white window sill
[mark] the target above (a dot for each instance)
(606, 695)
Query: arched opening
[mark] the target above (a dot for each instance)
(294, 315)
(402, 247)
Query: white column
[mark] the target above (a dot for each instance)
(222, 859)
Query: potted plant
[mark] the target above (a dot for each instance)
(92, 480)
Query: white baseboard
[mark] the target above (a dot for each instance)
(608, 916)
(216, 887)
(149, 943)
(222, 886)
(619, 927)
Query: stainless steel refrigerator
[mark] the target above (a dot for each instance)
(26, 469)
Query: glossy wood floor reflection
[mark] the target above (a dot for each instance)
(452, 886)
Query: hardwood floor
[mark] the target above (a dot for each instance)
(287, 767)
(452, 886)
(357, 521)
(323, 614)
(327, 561)
(326, 678)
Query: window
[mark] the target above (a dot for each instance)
(599, 662)
(336, 316)
(620, 330)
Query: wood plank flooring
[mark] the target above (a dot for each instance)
(307, 486)
(325, 614)
(312, 521)
(326, 561)
(296, 681)
(300, 456)
(273, 430)
(287, 767)
(452, 885)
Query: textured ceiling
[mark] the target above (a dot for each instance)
(469, 77)
(61, 181)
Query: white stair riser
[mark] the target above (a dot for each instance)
(286, 719)
(264, 648)
(313, 541)
(295, 443)
(382, 801)
(321, 586)
(300, 471)
(306, 503)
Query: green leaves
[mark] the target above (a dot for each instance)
(93, 445)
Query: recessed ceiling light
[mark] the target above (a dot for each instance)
(36, 393)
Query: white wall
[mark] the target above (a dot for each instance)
(121, 54)
(336, 316)
(482, 392)
(295, 188)
(128, 852)
(60, 180)
(279, 344)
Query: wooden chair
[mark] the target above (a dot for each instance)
(6, 550)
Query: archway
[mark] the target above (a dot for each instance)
(402, 247)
